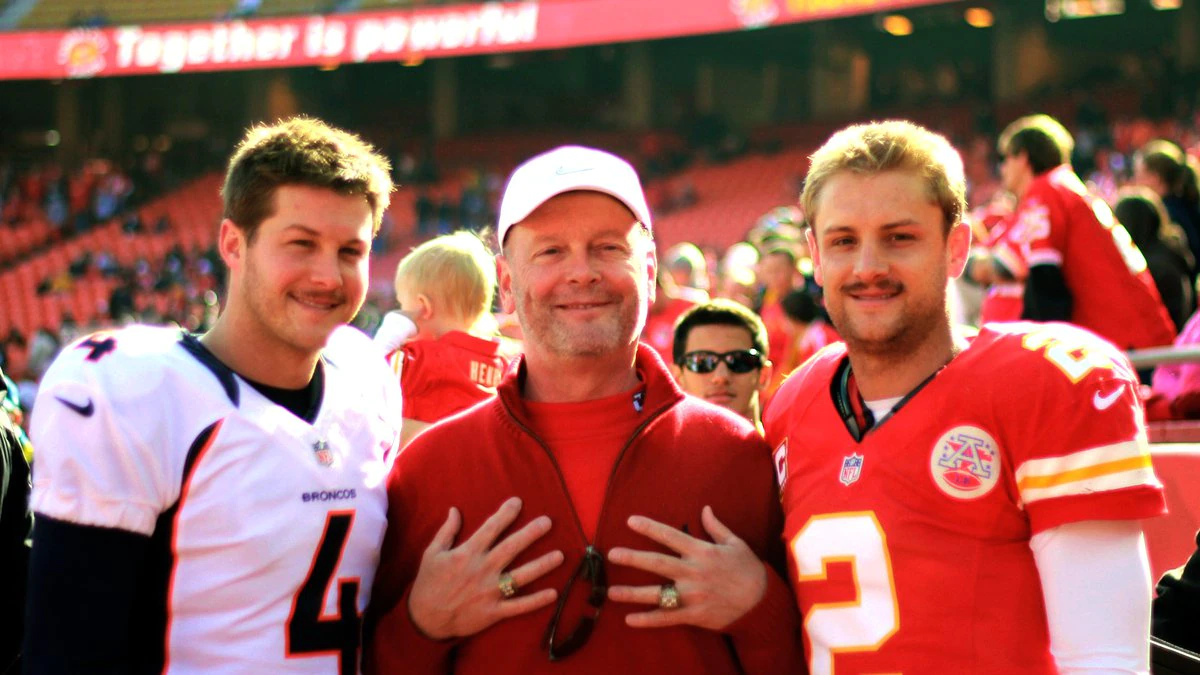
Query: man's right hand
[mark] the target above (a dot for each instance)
(456, 592)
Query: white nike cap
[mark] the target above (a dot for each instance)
(566, 169)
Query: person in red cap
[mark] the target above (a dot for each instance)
(640, 516)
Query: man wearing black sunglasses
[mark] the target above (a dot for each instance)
(720, 355)
(640, 507)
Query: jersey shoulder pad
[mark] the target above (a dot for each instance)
(1054, 350)
(132, 359)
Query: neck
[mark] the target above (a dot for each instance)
(883, 375)
(436, 328)
(556, 379)
(252, 355)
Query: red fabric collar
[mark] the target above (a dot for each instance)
(660, 387)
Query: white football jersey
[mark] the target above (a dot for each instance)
(265, 529)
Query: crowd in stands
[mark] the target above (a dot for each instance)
(1136, 165)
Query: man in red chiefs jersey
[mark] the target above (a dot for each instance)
(1082, 265)
(952, 506)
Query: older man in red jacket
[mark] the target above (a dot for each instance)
(637, 518)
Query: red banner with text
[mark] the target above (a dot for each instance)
(398, 35)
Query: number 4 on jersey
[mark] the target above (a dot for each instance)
(308, 632)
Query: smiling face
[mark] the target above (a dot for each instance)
(883, 257)
(304, 271)
(579, 272)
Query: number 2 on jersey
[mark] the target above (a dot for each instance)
(859, 624)
(308, 632)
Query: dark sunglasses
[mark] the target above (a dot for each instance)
(591, 568)
(739, 361)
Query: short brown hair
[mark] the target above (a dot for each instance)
(301, 151)
(894, 145)
(1043, 139)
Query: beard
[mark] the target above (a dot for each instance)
(896, 336)
(271, 309)
(616, 328)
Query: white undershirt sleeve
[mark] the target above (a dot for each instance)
(1096, 584)
(394, 331)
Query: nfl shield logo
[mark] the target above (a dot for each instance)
(323, 453)
(851, 469)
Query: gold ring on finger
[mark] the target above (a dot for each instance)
(668, 597)
(508, 585)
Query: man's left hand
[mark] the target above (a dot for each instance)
(717, 583)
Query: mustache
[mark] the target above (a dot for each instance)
(883, 285)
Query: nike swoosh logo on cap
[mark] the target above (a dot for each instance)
(564, 171)
(1105, 402)
(86, 409)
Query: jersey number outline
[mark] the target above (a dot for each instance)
(865, 623)
(1130, 254)
(308, 632)
(1074, 357)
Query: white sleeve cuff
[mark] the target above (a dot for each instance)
(93, 511)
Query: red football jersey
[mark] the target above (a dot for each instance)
(443, 376)
(909, 549)
(1114, 295)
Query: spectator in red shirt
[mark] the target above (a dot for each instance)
(620, 478)
(779, 273)
(1083, 266)
(442, 341)
(670, 301)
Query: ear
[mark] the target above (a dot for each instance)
(764, 375)
(504, 284)
(425, 307)
(676, 371)
(811, 238)
(958, 249)
(232, 244)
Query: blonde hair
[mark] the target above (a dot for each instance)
(456, 272)
(894, 145)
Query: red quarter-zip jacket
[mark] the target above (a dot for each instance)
(686, 454)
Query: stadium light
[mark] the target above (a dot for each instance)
(1161, 5)
(898, 25)
(1082, 9)
(979, 17)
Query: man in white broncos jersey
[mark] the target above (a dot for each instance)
(216, 504)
